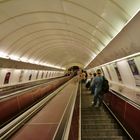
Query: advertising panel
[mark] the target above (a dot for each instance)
(135, 71)
(108, 73)
(118, 73)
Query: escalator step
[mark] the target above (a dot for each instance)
(95, 116)
(104, 138)
(100, 126)
(97, 123)
(101, 132)
(91, 121)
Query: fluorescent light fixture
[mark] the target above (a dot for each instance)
(31, 61)
(24, 59)
(63, 68)
(14, 57)
(3, 55)
(36, 62)
(49, 65)
(41, 63)
(52, 66)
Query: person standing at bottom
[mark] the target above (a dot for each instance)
(97, 83)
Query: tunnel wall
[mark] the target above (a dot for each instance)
(18, 76)
(124, 72)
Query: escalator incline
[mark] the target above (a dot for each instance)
(98, 123)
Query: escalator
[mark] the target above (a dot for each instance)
(98, 123)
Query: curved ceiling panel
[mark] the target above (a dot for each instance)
(61, 32)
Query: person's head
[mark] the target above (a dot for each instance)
(98, 71)
(94, 74)
(90, 74)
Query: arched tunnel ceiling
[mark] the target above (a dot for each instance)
(61, 33)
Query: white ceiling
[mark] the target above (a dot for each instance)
(61, 33)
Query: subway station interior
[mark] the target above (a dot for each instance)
(49, 52)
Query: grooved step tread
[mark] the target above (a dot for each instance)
(105, 138)
(98, 118)
(99, 126)
(95, 116)
(96, 121)
(101, 132)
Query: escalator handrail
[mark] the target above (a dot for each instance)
(63, 128)
(14, 125)
(26, 90)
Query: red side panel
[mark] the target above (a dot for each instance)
(127, 114)
(132, 120)
(8, 109)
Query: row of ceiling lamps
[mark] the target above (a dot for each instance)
(23, 59)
